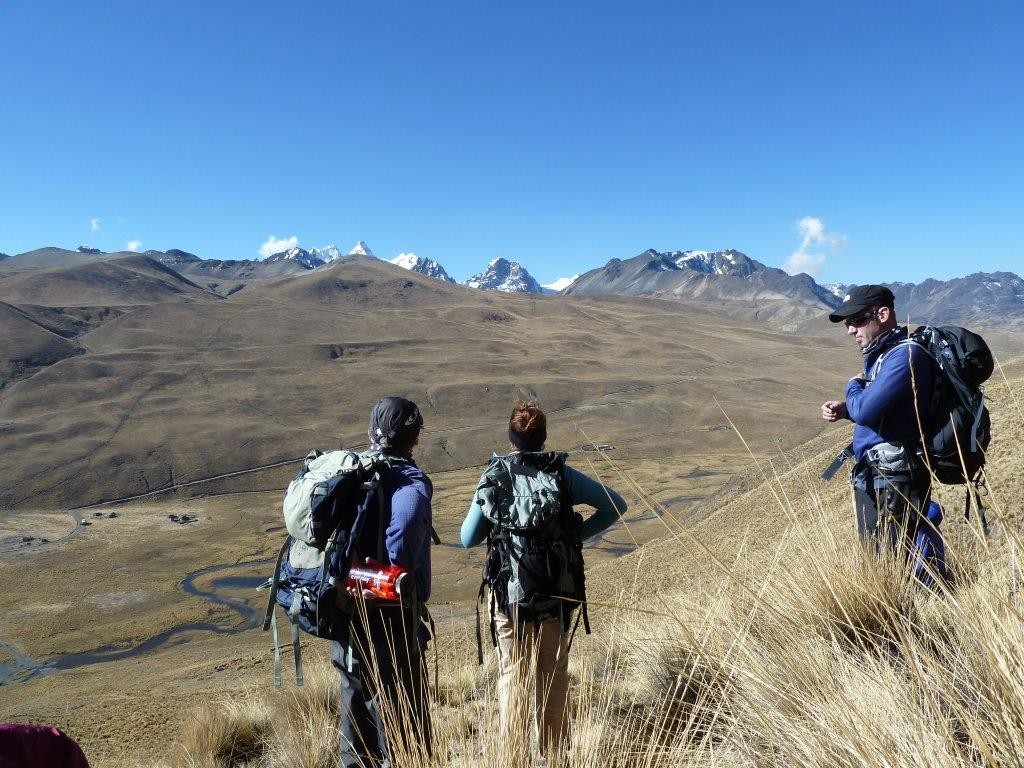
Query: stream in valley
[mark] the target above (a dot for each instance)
(15, 667)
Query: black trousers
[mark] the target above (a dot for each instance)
(891, 508)
(384, 689)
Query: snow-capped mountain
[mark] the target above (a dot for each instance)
(727, 262)
(299, 255)
(838, 290)
(88, 249)
(735, 283)
(424, 266)
(979, 299)
(327, 254)
(361, 249)
(506, 276)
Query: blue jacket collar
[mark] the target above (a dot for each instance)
(888, 339)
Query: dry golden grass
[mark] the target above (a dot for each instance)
(804, 650)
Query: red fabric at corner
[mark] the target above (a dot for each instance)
(38, 746)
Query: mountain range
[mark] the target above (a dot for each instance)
(726, 282)
(729, 281)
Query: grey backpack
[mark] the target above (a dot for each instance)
(534, 565)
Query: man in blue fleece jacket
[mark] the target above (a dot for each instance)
(887, 403)
(382, 665)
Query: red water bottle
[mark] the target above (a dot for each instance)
(383, 581)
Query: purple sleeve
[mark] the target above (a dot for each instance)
(409, 526)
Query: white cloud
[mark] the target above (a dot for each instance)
(810, 263)
(562, 282)
(274, 245)
(94, 225)
(133, 245)
(816, 242)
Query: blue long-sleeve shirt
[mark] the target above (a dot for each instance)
(608, 506)
(407, 493)
(890, 407)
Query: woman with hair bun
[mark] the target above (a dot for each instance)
(534, 577)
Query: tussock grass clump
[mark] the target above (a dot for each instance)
(845, 594)
(305, 731)
(228, 732)
(666, 680)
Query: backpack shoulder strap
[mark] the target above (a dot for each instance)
(877, 367)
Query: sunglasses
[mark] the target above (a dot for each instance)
(859, 320)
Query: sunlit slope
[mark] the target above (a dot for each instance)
(128, 280)
(27, 345)
(744, 525)
(170, 393)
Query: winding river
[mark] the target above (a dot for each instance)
(21, 668)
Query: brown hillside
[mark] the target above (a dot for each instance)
(28, 346)
(49, 257)
(176, 392)
(752, 513)
(129, 280)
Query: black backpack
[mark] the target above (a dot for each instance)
(534, 566)
(958, 428)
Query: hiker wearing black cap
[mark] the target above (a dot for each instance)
(382, 666)
(887, 403)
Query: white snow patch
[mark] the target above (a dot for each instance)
(328, 253)
(406, 260)
(360, 249)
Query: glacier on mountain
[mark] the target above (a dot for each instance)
(300, 255)
(327, 254)
(422, 265)
(505, 276)
(361, 249)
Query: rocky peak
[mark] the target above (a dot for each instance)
(505, 276)
(422, 265)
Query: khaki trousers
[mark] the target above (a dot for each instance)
(534, 656)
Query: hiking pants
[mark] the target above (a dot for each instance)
(891, 508)
(534, 655)
(384, 705)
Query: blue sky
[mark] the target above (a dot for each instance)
(863, 141)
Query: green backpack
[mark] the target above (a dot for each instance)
(534, 565)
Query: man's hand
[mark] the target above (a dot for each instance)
(366, 595)
(833, 410)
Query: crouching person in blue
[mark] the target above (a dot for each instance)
(382, 665)
(887, 404)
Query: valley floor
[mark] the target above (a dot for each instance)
(149, 609)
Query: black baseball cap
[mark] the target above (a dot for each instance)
(393, 417)
(860, 299)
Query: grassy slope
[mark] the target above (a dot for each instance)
(759, 636)
(176, 392)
